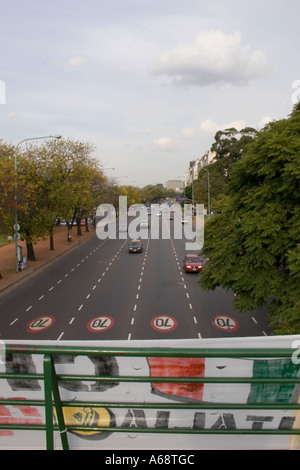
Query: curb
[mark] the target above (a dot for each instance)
(34, 270)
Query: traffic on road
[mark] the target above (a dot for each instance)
(120, 289)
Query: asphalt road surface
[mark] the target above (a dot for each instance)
(100, 291)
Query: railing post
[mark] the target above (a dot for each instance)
(51, 386)
(48, 402)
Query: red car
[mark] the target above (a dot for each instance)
(192, 263)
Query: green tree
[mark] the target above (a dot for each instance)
(7, 184)
(231, 143)
(55, 179)
(228, 147)
(154, 193)
(7, 188)
(73, 173)
(58, 178)
(253, 246)
(218, 179)
(28, 204)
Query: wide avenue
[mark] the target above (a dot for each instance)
(101, 291)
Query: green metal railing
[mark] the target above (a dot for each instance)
(53, 403)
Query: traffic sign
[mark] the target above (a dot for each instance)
(40, 324)
(101, 323)
(164, 323)
(225, 323)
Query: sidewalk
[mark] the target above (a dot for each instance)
(42, 253)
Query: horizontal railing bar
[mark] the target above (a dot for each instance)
(184, 380)
(25, 427)
(158, 430)
(184, 430)
(183, 405)
(152, 352)
(153, 405)
(16, 375)
(21, 402)
(159, 379)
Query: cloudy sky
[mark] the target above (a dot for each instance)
(148, 82)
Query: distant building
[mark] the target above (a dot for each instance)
(195, 166)
(176, 185)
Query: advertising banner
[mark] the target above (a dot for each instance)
(154, 419)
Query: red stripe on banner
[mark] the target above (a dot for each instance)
(27, 411)
(178, 367)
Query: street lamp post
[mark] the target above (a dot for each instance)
(208, 192)
(16, 210)
(193, 196)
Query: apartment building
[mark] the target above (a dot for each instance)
(195, 166)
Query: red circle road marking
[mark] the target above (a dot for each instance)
(40, 324)
(101, 323)
(164, 323)
(225, 323)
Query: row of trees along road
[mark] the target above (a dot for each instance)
(57, 179)
(253, 241)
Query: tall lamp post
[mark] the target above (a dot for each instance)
(208, 193)
(16, 211)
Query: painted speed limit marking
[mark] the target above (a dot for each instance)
(225, 323)
(100, 324)
(40, 324)
(164, 323)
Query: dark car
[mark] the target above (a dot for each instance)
(135, 246)
(192, 264)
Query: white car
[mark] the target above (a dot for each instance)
(184, 220)
(144, 223)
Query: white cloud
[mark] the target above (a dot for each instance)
(12, 115)
(76, 62)
(189, 133)
(73, 63)
(208, 126)
(238, 125)
(265, 120)
(213, 58)
(166, 144)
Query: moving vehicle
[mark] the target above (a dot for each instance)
(192, 263)
(135, 246)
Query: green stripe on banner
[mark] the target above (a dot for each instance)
(273, 392)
